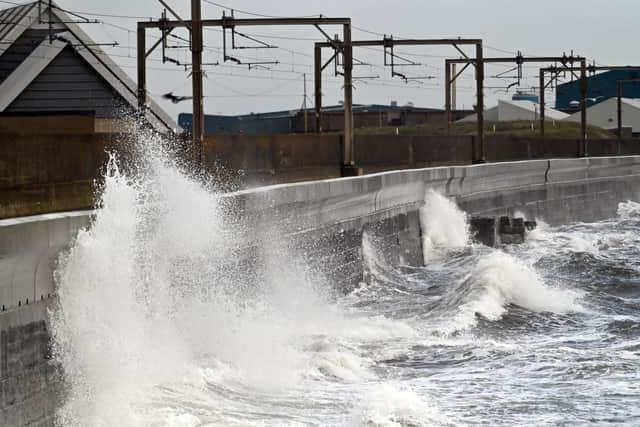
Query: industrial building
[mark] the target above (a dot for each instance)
(49, 66)
(600, 88)
(605, 115)
(509, 110)
(293, 121)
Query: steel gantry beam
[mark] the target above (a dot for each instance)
(390, 42)
(228, 22)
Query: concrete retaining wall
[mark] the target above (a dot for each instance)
(29, 247)
(324, 220)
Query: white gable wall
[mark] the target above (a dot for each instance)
(605, 114)
(508, 111)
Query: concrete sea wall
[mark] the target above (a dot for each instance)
(324, 220)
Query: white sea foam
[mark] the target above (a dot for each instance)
(444, 226)
(629, 210)
(582, 244)
(498, 280)
(389, 405)
(183, 420)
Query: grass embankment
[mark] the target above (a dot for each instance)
(558, 130)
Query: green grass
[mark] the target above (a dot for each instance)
(559, 130)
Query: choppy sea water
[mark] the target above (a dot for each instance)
(148, 332)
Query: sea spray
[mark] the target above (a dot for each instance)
(444, 226)
(152, 297)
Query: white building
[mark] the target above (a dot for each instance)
(605, 114)
(507, 111)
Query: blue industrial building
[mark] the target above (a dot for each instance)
(600, 88)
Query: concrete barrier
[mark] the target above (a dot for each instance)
(29, 247)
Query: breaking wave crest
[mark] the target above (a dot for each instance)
(444, 226)
(388, 405)
(499, 280)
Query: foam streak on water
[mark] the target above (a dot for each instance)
(156, 325)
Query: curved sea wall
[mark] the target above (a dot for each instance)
(325, 220)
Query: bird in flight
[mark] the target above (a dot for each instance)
(175, 98)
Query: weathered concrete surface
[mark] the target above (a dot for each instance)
(30, 384)
(29, 247)
(324, 221)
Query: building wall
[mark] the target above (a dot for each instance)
(68, 83)
(52, 164)
(605, 115)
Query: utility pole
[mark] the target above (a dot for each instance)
(480, 103)
(142, 72)
(318, 87)
(304, 105)
(583, 106)
(196, 79)
(447, 100)
(542, 102)
(454, 90)
(348, 156)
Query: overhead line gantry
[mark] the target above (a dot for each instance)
(196, 24)
(389, 43)
(519, 60)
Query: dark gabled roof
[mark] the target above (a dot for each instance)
(14, 18)
(15, 21)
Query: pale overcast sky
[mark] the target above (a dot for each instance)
(601, 30)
